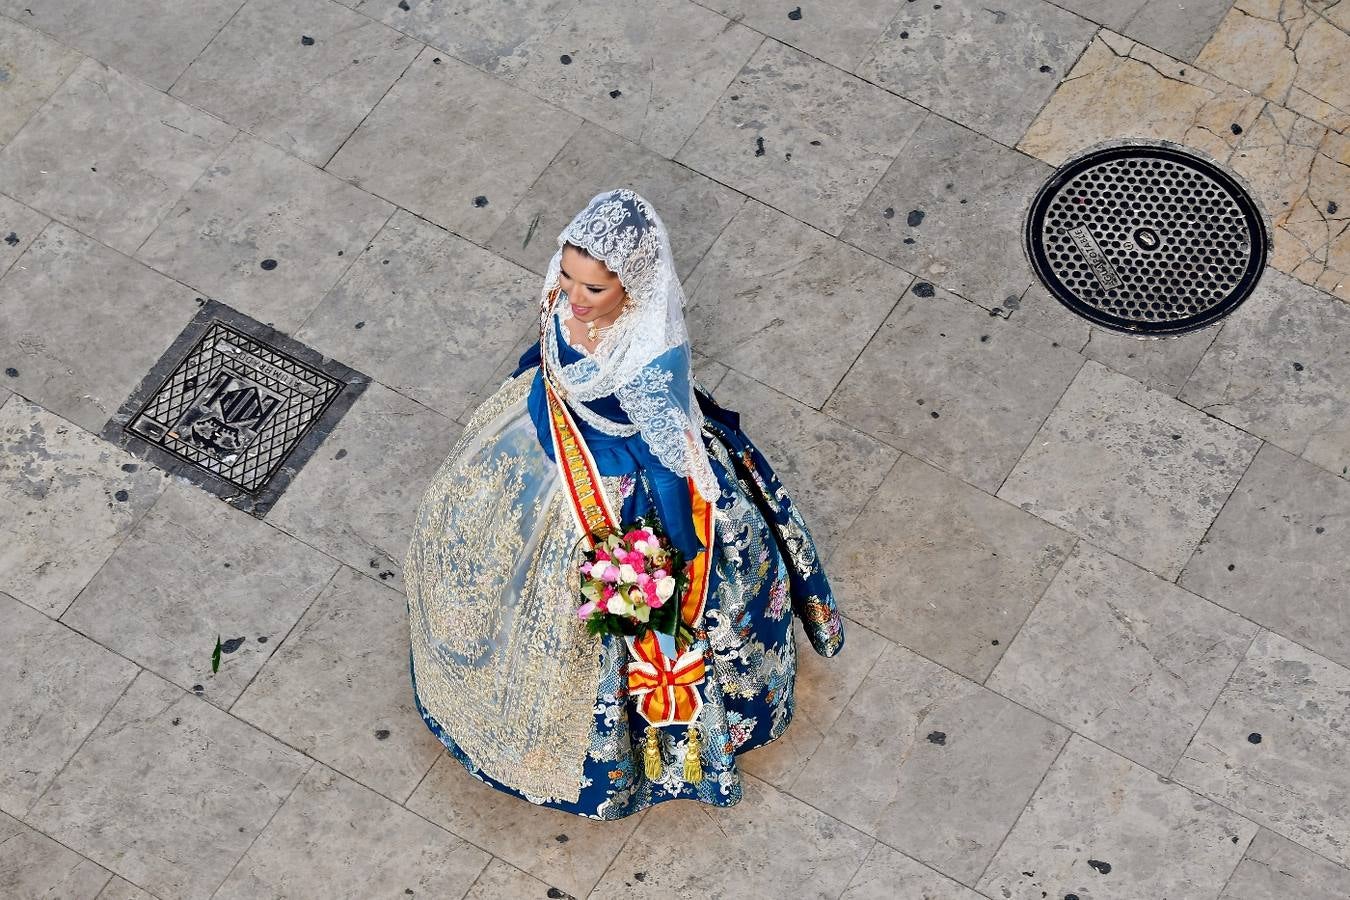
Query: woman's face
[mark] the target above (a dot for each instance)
(594, 291)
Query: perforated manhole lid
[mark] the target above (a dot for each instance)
(1146, 239)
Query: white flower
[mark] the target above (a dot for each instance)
(627, 573)
(665, 587)
(598, 569)
(620, 605)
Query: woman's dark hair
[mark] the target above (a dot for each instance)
(582, 250)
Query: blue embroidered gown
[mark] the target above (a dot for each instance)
(764, 570)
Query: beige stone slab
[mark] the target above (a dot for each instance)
(1122, 657)
(888, 874)
(445, 135)
(765, 842)
(1101, 826)
(195, 568)
(1130, 469)
(1275, 868)
(502, 881)
(1274, 745)
(109, 155)
(944, 380)
(56, 687)
(32, 67)
(972, 567)
(1279, 553)
(19, 227)
(67, 499)
(121, 889)
(434, 322)
(1121, 88)
(336, 838)
(34, 865)
(338, 689)
(304, 98)
(930, 763)
(827, 136)
(256, 203)
(563, 850)
(839, 31)
(168, 791)
(493, 37)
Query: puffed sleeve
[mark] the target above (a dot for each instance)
(671, 495)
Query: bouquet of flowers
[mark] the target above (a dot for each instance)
(632, 581)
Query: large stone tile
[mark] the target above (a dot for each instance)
(944, 380)
(335, 838)
(121, 889)
(693, 207)
(54, 687)
(63, 305)
(33, 865)
(821, 691)
(195, 568)
(668, 60)
(501, 881)
(1178, 29)
(1120, 87)
(304, 98)
(950, 210)
(1130, 469)
(446, 135)
(1279, 369)
(355, 500)
(31, 68)
(109, 155)
(493, 37)
(801, 136)
(1101, 826)
(1300, 171)
(426, 313)
(768, 841)
(1294, 52)
(1274, 746)
(67, 499)
(560, 849)
(1275, 868)
(19, 227)
(1024, 47)
(839, 32)
(338, 688)
(786, 304)
(139, 37)
(930, 763)
(1122, 657)
(168, 791)
(970, 567)
(1279, 553)
(828, 468)
(257, 203)
(887, 874)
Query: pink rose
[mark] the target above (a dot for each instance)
(584, 612)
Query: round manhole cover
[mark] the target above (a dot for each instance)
(1146, 239)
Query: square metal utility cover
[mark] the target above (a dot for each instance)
(235, 406)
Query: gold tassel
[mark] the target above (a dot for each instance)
(651, 754)
(693, 768)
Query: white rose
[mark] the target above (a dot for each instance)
(598, 569)
(665, 587)
(619, 605)
(627, 573)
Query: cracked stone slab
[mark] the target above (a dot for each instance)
(1279, 553)
(426, 313)
(1103, 826)
(304, 98)
(334, 837)
(1024, 47)
(192, 569)
(437, 145)
(839, 32)
(1279, 368)
(1122, 657)
(948, 382)
(887, 874)
(1130, 469)
(34, 865)
(57, 685)
(68, 500)
(19, 227)
(668, 60)
(1122, 87)
(775, 839)
(168, 791)
(974, 567)
(1293, 52)
(1275, 868)
(801, 136)
(32, 67)
(1274, 746)
(338, 688)
(951, 189)
(768, 290)
(254, 204)
(492, 37)
(1177, 29)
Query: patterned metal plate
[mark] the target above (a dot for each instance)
(1146, 239)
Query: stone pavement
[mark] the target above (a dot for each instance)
(1112, 659)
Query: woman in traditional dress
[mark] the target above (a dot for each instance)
(504, 672)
